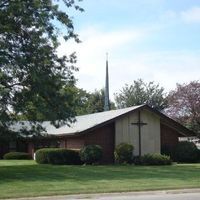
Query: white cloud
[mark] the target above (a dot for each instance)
(191, 15)
(126, 63)
(166, 68)
(92, 51)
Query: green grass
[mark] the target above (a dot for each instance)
(26, 178)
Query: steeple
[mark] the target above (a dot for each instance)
(106, 92)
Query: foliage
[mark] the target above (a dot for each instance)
(88, 103)
(57, 156)
(123, 153)
(17, 156)
(184, 104)
(34, 81)
(91, 154)
(155, 159)
(167, 150)
(141, 93)
(186, 152)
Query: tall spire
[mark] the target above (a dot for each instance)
(107, 102)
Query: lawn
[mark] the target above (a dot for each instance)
(26, 178)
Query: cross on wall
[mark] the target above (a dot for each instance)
(139, 123)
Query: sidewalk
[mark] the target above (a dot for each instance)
(122, 195)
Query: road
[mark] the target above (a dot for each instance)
(188, 196)
(156, 195)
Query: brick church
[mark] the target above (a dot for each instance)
(147, 129)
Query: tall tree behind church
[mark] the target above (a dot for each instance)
(141, 93)
(93, 102)
(32, 75)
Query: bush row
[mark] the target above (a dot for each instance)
(152, 159)
(89, 154)
(124, 154)
(184, 152)
(17, 156)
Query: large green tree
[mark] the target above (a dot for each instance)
(141, 93)
(35, 82)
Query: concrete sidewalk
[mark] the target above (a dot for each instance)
(182, 194)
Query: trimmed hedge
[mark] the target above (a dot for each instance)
(17, 156)
(186, 152)
(152, 159)
(57, 156)
(123, 153)
(91, 154)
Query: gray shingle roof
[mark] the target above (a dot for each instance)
(83, 122)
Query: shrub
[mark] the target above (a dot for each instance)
(57, 156)
(17, 156)
(137, 160)
(198, 152)
(91, 154)
(41, 156)
(166, 150)
(186, 152)
(123, 153)
(155, 159)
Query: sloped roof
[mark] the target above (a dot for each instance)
(88, 122)
(82, 123)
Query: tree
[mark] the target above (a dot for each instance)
(141, 93)
(34, 81)
(88, 103)
(81, 98)
(96, 101)
(184, 105)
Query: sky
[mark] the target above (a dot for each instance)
(155, 40)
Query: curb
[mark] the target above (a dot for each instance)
(96, 195)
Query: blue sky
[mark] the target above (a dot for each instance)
(156, 40)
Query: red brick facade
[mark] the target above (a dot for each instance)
(169, 137)
(4, 148)
(103, 136)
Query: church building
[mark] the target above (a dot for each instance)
(147, 129)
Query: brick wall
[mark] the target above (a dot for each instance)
(4, 148)
(169, 137)
(105, 137)
(74, 142)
